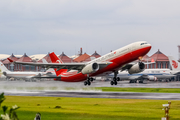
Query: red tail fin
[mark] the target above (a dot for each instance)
(54, 58)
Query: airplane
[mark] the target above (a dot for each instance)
(147, 74)
(106, 64)
(18, 75)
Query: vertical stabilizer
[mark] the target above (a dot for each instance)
(174, 63)
(55, 59)
(2, 67)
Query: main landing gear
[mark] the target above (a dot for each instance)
(115, 79)
(88, 81)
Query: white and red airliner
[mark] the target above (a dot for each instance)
(110, 63)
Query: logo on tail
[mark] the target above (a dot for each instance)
(58, 61)
(174, 64)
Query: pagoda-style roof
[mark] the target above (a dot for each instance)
(12, 57)
(25, 58)
(145, 58)
(65, 58)
(159, 56)
(96, 55)
(92, 57)
(47, 58)
(81, 58)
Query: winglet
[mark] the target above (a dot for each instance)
(10, 60)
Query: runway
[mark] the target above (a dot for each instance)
(62, 89)
(121, 95)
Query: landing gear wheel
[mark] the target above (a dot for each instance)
(112, 82)
(115, 82)
(118, 79)
(89, 83)
(85, 83)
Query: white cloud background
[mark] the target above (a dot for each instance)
(42, 26)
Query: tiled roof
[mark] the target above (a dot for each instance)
(145, 58)
(12, 57)
(96, 55)
(82, 58)
(24, 58)
(47, 58)
(65, 58)
(159, 56)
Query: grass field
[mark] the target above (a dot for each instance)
(55, 108)
(150, 90)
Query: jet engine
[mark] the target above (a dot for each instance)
(136, 68)
(4, 73)
(152, 78)
(90, 68)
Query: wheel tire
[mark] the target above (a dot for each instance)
(92, 79)
(112, 82)
(118, 79)
(89, 83)
(114, 78)
(85, 83)
(115, 82)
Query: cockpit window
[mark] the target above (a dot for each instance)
(143, 43)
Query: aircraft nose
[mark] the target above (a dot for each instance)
(149, 46)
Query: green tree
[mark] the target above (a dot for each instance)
(12, 112)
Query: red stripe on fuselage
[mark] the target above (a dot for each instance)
(117, 63)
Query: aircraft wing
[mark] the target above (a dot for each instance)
(126, 67)
(58, 66)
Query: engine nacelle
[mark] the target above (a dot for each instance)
(90, 68)
(139, 67)
(4, 73)
(152, 78)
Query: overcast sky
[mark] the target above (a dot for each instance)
(42, 26)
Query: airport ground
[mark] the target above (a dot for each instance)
(69, 101)
(98, 89)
